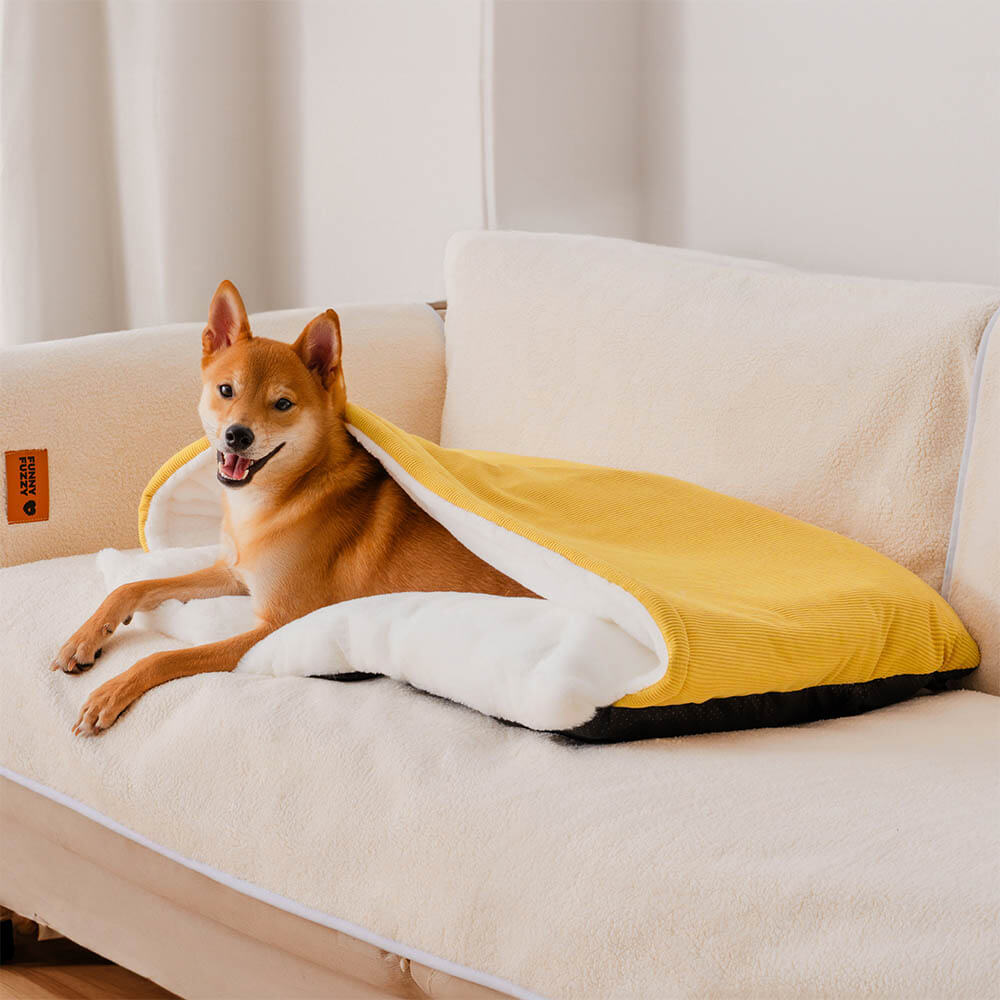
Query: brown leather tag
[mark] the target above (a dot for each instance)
(27, 486)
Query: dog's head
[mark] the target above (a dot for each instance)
(269, 409)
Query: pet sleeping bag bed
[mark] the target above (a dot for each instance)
(671, 609)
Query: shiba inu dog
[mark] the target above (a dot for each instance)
(310, 517)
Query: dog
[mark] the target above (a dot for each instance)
(309, 517)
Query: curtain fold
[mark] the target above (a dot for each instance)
(311, 152)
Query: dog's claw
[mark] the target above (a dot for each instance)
(97, 653)
(127, 620)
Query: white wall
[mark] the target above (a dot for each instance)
(846, 135)
(566, 116)
(843, 135)
(391, 145)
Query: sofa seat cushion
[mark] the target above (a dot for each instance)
(815, 860)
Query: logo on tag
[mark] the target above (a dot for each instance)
(27, 486)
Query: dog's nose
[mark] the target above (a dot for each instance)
(238, 437)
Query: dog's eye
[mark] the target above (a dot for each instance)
(284, 404)
(226, 390)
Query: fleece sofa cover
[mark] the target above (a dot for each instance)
(687, 610)
(839, 400)
(846, 858)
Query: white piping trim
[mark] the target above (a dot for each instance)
(273, 898)
(970, 431)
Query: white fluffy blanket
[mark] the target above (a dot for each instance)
(543, 665)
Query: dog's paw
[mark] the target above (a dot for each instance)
(82, 649)
(85, 645)
(102, 708)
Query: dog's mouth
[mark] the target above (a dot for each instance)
(235, 470)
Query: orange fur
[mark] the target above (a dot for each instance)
(319, 521)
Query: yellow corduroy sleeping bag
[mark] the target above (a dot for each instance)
(766, 620)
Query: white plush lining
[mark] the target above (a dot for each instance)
(186, 509)
(548, 665)
(273, 898)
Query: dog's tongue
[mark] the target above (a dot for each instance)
(233, 466)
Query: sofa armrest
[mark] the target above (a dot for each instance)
(111, 408)
(972, 576)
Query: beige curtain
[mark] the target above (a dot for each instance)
(311, 152)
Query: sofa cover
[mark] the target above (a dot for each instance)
(845, 857)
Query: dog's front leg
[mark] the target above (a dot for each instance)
(108, 701)
(86, 643)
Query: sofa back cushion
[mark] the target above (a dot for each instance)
(839, 400)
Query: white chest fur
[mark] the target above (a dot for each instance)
(237, 531)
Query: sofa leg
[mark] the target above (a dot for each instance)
(6, 941)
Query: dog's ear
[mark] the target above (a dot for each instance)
(227, 320)
(319, 346)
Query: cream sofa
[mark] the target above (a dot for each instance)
(241, 836)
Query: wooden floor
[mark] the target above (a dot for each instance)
(91, 982)
(59, 968)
